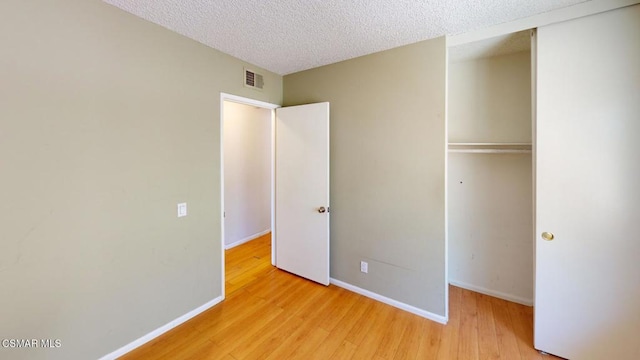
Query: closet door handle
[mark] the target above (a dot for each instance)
(547, 236)
(322, 210)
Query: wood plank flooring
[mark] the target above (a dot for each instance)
(271, 314)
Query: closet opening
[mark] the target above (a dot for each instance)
(489, 167)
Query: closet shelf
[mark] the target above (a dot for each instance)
(490, 148)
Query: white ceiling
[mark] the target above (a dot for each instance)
(286, 36)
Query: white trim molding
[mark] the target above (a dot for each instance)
(247, 239)
(498, 294)
(559, 15)
(397, 304)
(161, 330)
(247, 101)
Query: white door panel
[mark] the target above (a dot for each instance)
(302, 188)
(587, 301)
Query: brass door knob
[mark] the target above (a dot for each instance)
(547, 236)
(322, 210)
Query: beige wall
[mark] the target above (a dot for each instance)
(490, 99)
(490, 224)
(247, 172)
(106, 123)
(387, 168)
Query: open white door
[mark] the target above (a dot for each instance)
(587, 301)
(302, 191)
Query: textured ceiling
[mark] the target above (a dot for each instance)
(287, 36)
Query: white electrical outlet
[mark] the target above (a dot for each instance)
(182, 209)
(364, 267)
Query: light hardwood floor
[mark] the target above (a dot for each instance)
(271, 314)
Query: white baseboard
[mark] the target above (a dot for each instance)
(247, 239)
(498, 294)
(388, 301)
(161, 330)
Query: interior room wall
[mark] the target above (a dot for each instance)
(387, 169)
(247, 172)
(107, 122)
(491, 224)
(490, 195)
(490, 99)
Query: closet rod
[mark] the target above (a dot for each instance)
(491, 151)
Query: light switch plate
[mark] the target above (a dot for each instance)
(182, 209)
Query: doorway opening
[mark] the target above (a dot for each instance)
(247, 188)
(489, 187)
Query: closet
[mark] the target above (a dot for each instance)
(489, 167)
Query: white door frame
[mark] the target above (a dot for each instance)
(261, 104)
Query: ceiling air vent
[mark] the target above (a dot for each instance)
(253, 79)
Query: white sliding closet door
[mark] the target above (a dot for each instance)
(588, 187)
